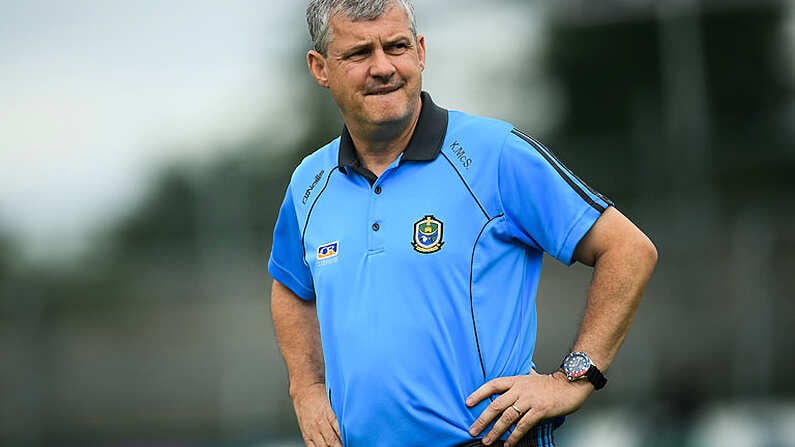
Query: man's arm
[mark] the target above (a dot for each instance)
(623, 259)
(298, 335)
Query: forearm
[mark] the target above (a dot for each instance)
(298, 336)
(614, 295)
(622, 268)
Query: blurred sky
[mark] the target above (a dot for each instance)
(95, 95)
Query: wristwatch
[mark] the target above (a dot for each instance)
(578, 366)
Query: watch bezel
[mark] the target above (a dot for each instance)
(588, 371)
(577, 374)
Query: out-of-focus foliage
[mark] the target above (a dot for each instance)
(680, 120)
(621, 96)
(167, 316)
(5, 255)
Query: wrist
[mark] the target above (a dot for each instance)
(298, 388)
(561, 376)
(578, 367)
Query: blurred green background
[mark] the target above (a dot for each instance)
(145, 148)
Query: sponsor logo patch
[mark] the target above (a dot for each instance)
(328, 251)
(428, 233)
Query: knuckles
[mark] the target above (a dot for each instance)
(496, 406)
(523, 425)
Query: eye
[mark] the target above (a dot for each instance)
(397, 48)
(358, 54)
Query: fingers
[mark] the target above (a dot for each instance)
(317, 421)
(498, 406)
(332, 431)
(523, 422)
(509, 417)
(329, 435)
(336, 426)
(323, 431)
(494, 386)
(535, 396)
(322, 437)
(529, 420)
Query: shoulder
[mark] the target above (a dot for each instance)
(474, 139)
(497, 142)
(493, 134)
(310, 176)
(477, 128)
(472, 147)
(313, 169)
(478, 142)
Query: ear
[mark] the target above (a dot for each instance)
(317, 67)
(421, 50)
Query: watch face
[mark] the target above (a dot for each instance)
(576, 364)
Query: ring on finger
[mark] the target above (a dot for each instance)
(516, 409)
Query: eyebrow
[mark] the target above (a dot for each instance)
(356, 48)
(367, 45)
(397, 39)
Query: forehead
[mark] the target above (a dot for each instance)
(392, 23)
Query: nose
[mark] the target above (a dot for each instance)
(381, 66)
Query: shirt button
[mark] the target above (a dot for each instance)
(376, 227)
(378, 189)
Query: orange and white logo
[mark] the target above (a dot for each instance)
(327, 251)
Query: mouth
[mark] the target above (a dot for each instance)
(384, 89)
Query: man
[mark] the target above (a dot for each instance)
(407, 253)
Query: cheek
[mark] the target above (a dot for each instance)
(410, 69)
(351, 77)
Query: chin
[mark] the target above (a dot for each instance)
(391, 112)
(387, 117)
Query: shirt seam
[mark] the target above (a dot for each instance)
(309, 213)
(567, 239)
(309, 293)
(466, 185)
(499, 181)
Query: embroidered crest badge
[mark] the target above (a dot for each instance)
(428, 233)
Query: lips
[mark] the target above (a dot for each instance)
(384, 89)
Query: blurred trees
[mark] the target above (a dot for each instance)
(660, 93)
(5, 256)
(163, 330)
(682, 116)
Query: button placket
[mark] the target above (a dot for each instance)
(376, 216)
(376, 226)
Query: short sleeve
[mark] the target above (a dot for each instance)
(286, 263)
(547, 206)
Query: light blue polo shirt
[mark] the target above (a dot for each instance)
(425, 278)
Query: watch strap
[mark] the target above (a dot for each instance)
(597, 379)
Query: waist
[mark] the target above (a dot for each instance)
(542, 435)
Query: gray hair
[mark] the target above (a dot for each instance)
(320, 12)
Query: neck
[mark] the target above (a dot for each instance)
(379, 146)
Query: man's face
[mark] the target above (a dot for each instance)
(373, 69)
